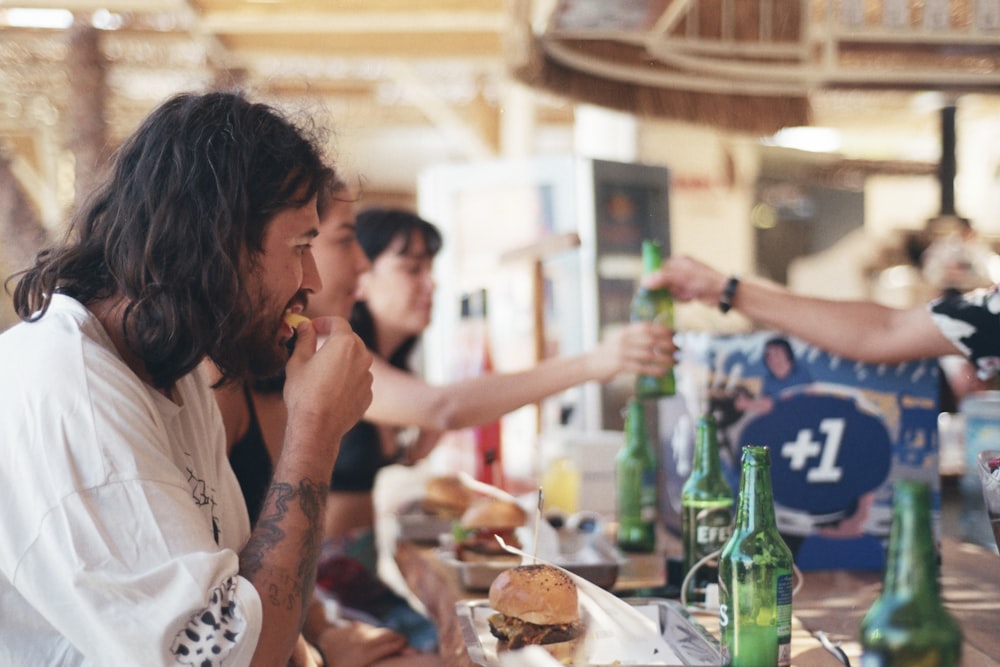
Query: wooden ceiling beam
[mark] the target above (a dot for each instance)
(332, 22)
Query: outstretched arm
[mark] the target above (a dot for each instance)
(861, 330)
(402, 398)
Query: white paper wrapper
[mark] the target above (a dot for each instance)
(617, 632)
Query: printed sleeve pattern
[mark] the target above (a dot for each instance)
(972, 322)
(209, 636)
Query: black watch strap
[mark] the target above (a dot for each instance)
(728, 292)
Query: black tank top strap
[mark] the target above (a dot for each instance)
(251, 462)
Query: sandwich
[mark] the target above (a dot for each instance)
(482, 522)
(446, 497)
(293, 320)
(536, 605)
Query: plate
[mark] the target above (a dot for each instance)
(692, 643)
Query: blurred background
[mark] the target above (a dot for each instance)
(823, 143)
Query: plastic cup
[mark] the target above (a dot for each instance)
(991, 490)
(982, 434)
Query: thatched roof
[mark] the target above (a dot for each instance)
(747, 65)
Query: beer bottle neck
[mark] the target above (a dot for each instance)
(652, 256)
(911, 565)
(706, 453)
(755, 511)
(706, 476)
(635, 428)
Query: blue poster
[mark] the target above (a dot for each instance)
(839, 432)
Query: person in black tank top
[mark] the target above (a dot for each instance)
(252, 462)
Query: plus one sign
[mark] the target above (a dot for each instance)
(801, 450)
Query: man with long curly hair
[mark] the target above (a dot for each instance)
(125, 539)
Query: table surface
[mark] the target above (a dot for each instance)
(829, 601)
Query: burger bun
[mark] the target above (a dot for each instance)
(447, 495)
(539, 594)
(493, 513)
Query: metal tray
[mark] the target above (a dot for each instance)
(417, 525)
(695, 646)
(600, 565)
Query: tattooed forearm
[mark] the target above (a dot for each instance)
(312, 500)
(267, 532)
(282, 498)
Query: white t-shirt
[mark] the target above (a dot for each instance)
(122, 520)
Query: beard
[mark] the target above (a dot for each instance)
(266, 356)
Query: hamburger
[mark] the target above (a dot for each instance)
(446, 497)
(536, 605)
(482, 522)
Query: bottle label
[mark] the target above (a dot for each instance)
(711, 528)
(784, 600)
(871, 660)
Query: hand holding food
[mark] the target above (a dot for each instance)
(338, 373)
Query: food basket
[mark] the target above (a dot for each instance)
(598, 563)
(692, 645)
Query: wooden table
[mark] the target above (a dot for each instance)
(829, 601)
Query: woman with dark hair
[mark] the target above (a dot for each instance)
(395, 299)
(125, 536)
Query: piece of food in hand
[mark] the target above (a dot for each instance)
(445, 496)
(536, 605)
(295, 319)
(476, 531)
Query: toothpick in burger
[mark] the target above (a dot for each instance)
(536, 605)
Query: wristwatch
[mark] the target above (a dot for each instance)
(728, 292)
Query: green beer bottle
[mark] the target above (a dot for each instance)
(653, 305)
(706, 509)
(635, 475)
(755, 575)
(908, 624)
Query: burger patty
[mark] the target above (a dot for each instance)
(484, 542)
(518, 633)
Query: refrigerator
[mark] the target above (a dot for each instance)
(555, 241)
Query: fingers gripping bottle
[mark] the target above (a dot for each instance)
(755, 575)
(908, 624)
(706, 509)
(653, 305)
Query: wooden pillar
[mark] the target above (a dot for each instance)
(21, 234)
(86, 127)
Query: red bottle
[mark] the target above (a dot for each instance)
(487, 437)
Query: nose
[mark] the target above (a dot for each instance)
(361, 261)
(311, 281)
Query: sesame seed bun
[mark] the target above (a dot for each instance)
(539, 594)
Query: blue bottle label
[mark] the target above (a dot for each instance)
(784, 599)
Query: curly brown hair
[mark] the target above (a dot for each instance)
(177, 227)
